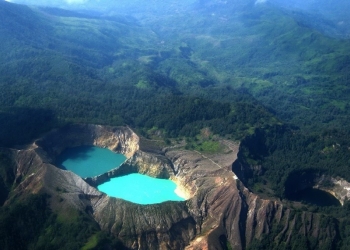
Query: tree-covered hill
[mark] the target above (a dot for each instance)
(272, 53)
(336, 13)
(101, 70)
(175, 72)
(259, 49)
(246, 70)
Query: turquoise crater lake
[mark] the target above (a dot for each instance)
(141, 189)
(89, 161)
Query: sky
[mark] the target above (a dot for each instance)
(58, 3)
(304, 4)
(54, 2)
(331, 9)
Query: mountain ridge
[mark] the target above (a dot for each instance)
(220, 211)
(256, 73)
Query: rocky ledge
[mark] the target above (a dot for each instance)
(219, 213)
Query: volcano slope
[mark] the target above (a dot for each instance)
(219, 211)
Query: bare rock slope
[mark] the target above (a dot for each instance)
(219, 211)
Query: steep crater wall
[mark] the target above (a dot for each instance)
(140, 162)
(254, 146)
(220, 213)
(118, 139)
(137, 226)
(303, 179)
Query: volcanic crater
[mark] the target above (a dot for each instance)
(219, 211)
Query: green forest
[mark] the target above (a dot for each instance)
(251, 73)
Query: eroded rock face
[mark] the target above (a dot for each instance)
(119, 139)
(219, 212)
(339, 188)
(140, 162)
(228, 214)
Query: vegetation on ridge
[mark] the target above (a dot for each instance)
(241, 70)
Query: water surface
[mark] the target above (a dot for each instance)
(89, 161)
(141, 189)
(316, 197)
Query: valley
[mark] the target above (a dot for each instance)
(244, 105)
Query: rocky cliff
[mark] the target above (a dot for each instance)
(118, 139)
(336, 186)
(219, 213)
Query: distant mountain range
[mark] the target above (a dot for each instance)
(273, 76)
(276, 55)
(335, 11)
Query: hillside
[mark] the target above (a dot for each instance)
(99, 70)
(255, 48)
(269, 53)
(193, 75)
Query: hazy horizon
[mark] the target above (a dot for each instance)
(336, 11)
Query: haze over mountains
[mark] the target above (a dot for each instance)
(328, 8)
(272, 74)
(249, 45)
